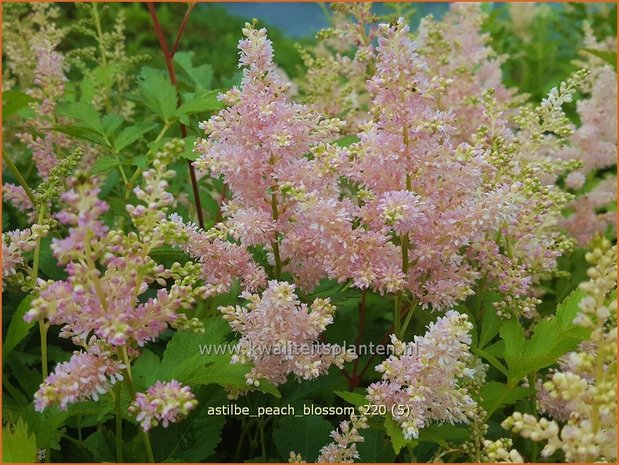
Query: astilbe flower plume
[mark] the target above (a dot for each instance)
(580, 396)
(344, 447)
(339, 64)
(279, 335)
(164, 402)
(426, 376)
(87, 375)
(594, 143)
(457, 50)
(15, 244)
(417, 185)
(99, 303)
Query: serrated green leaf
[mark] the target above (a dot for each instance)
(85, 113)
(201, 76)
(81, 132)
(131, 134)
(490, 323)
(305, 436)
(157, 94)
(13, 101)
(190, 153)
(568, 308)
(375, 447)
(103, 164)
(18, 328)
(550, 339)
(346, 141)
(496, 395)
(111, 123)
(18, 444)
(200, 103)
(167, 256)
(194, 439)
(394, 430)
(353, 398)
(101, 444)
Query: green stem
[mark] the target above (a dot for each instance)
(95, 13)
(139, 171)
(275, 243)
(397, 314)
(119, 424)
(123, 354)
(531, 377)
(20, 179)
(409, 315)
(397, 317)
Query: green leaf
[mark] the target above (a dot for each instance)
(104, 163)
(496, 395)
(608, 57)
(353, 398)
(131, 134)
(48, 263)
(18, 444)
(190, 152)
(111, 123)
(201, 103)
(568, 308)
(101, 444)
(443, 434)
(18, 328)
(375, 447)
(490, 323)
(305, 436)
(157, 94)
(394, 430)
(551, 338)
(346, 141)
(86, 114)
(13, 101)
(167, 256)
(81, 132)
(194, 439)
(201, 76)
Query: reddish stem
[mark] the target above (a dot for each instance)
(181, 29)
(169, 59)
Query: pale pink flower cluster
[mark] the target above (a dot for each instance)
(164, 402)
(49, 80)
(15, 244)
(87, 375)
(105, 303)
(407, 208)
(339, 64)
(261, 137)
(426, 375)
(344, 447)
(594, 143)
(16, 195)
(457, 50)
(220, 260)
(279, 335)
(580, 396)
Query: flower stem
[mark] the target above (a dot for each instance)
(119, 425)
(123, 354)
(168, 55)
(20, 179)
(275, 243)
